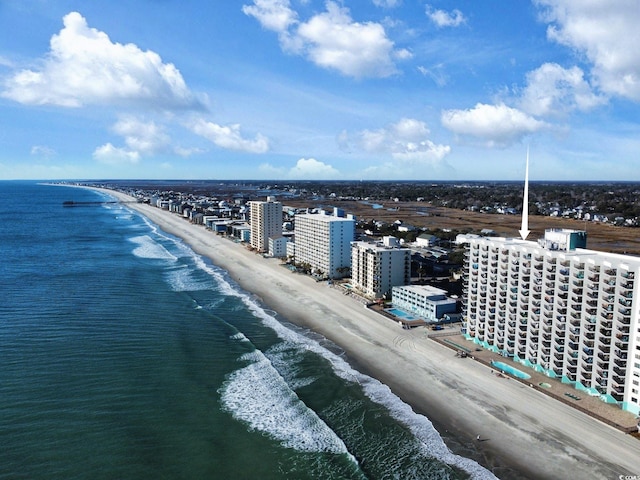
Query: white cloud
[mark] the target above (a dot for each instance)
(497, 125)
(606, 33)
(331, 39)
(142, 138)
(84, 67)
(42, 151)
(109, 154)
(229, 137)
(275, 15)
(146, 138)
(407, 141)
(313, 169)
(554, 90)
(445, 19)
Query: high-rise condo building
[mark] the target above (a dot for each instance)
(377, 267)
(563, 310)
(324, 242)
(266, 221)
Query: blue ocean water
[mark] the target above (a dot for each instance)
(126, 355)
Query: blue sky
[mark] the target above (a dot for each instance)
(305, 89)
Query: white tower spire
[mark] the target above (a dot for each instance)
(524, 230)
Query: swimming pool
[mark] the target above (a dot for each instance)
(400, 314)
(510, 370)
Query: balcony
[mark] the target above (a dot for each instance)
(604, 331)
(620, 362)
(618, 380)
(624, 319)
(615, 391)
(622, 337)
(623, 346)
(586, 377)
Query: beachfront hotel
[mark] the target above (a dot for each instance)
(377, 267)
(266, 221)
(556, 307)
(324, 242)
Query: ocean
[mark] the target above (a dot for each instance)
(125, 355)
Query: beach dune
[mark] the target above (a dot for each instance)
(523, 433)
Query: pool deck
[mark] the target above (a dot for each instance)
(410, 323)
(606, 413)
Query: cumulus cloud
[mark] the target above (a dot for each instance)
(146, 138)
(553, 90)
(275, 15)
(331, 39)
(229, 136)
(312, 169)
(441, 19)
(407, 141)
(496, 125)
(111, 155)
(606, 33)
(84, 67)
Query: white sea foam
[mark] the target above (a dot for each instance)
(149, 248)
(239, 336)
(285, 358)
(182, 279)
(259, 396)
(253, 356)
(420, 426)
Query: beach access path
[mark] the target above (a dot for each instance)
(524, 433)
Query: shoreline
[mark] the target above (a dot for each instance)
(525, 434)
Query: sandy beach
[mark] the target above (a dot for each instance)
(524, 433)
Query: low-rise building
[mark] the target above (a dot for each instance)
(278, 246)
(427, 302)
